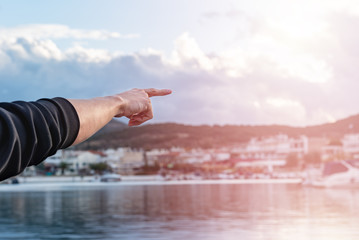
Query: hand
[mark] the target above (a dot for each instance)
(137, 104)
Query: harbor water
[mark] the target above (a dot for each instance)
(176, 211)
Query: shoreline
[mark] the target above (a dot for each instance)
(76, 179)
(148, 178)
(44, 185)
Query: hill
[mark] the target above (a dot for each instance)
(166, 135)
(112, 126)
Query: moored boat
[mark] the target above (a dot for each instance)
(336, 174)
(111, 177)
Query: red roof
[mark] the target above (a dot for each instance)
(97, 153)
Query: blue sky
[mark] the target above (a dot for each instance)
(228, 62)
(157, 22)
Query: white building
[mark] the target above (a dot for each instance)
(195, 156)
(56, 159)
(76, 160)
(274, 147)
(154, 155)
(113, 157)
(125, 160)
(332, 151)
(270, 151)
(83, 160)
(129, 159)
(351, 145)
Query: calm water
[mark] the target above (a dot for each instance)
(180, 212)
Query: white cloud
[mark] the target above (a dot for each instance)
(188, 53)
(58, 31)
(81, 54)
(263, 81)
(46, 49)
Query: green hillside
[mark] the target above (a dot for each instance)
(166, 135)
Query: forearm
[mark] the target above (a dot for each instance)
(95, 113)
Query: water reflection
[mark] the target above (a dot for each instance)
(181, 211)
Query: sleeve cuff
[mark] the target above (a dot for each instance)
(70, 120)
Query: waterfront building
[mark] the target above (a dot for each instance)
(153, 156)
(269, 152)
(333, 151)
(278, 146)
(316, 144)
(129, 160)
(351, 145)
(193, 157)
(83, 160)
(56, 159)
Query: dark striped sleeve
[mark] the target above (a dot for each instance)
(32, 131)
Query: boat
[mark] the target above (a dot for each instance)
(112, 177)
(336, 174)
(13, 180)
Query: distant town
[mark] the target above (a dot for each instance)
(273, 156)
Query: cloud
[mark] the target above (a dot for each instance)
(58, 31)
(264, 81)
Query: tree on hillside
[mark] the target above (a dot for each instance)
(99, 168)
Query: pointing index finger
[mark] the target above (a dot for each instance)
(157, 92)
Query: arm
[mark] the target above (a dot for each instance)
(32, 131)
(97, 112)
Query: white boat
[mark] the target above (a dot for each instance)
(336, 174)
(110, 177)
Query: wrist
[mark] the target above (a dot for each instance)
(120, 105)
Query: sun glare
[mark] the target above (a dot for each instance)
(296, 21)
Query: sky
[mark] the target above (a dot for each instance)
(227, 62)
